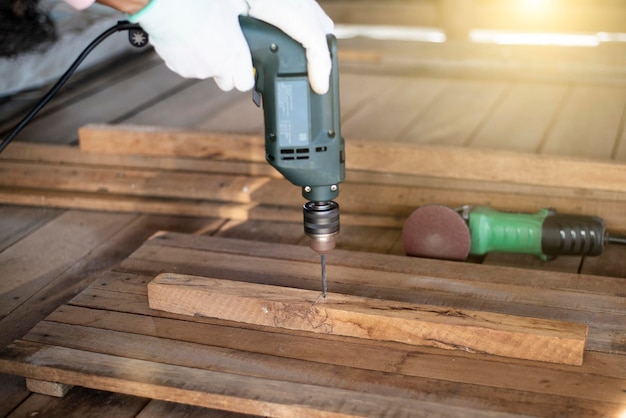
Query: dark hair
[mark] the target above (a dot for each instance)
(23, 27)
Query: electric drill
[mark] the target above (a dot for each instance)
(302, 129)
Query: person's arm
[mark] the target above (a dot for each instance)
(125, 6)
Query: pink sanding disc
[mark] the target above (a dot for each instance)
(436, 231)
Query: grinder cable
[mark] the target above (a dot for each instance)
(137, 38)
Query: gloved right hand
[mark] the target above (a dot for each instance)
(200, 39)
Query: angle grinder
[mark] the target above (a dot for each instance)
(436, 231)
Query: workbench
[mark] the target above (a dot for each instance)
(66, 258)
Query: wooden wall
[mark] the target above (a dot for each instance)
(457, 17)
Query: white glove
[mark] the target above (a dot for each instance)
(200, 39)
(203, 38)
(306, 22)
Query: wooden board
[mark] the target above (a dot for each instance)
(382, 157)
(377, 319)
(108, 338)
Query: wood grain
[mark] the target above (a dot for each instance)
(382, 157)
(298, 309)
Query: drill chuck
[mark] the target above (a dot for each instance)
(321, 224)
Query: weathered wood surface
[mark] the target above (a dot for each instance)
(107, 338)
(241, 187)
(376, 319)
(58, 390)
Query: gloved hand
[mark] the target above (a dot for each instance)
(200, 39)
(306, 22)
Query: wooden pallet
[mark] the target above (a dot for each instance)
(107, 338)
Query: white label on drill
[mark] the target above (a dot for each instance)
(292, 109)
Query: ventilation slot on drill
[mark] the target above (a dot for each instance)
(288, 154)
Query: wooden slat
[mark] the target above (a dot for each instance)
(400, 100)
(105, 105)
(427, 282)
(51, 250)
(49, 287)
(588, 124)
(81, 402)
(508, 336)
(523, 118)
(83, 326)
(246, 394)
(447, 120)
(18, 222)
(435, 161)
(107, 139)
(163, 409)
(12, 392)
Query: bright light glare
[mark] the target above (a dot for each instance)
(435, 35)
(622, 414)
(392, 33)
(520, 38)
(534, 5)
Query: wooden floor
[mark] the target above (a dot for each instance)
(53, 254)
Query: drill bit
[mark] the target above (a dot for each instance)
(324, 288)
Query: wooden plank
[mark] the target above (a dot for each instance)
(610, 263)
(240, 116)
(200, 99)
(34, 262)
(522, 119)
(447, 120)
(531, 339)
(69, 156)
(438, 371)
(161, 409)
(587, 285)
(238, 196)
(391, 110)
(81, 402)
(246, 394)
(107, 139)
(103, 106)
(81, 85)
(383, 157)
(510, 291)
(97, 252)
(588, 124)
(18, 222)
(58, 390)
(12, 393)
(606, 319)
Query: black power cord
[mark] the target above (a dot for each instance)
(137, 38)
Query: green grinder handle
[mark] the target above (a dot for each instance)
(492, 230)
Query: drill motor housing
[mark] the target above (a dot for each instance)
(303, 138)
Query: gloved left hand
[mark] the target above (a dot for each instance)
(306, 22)
(200, 39)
